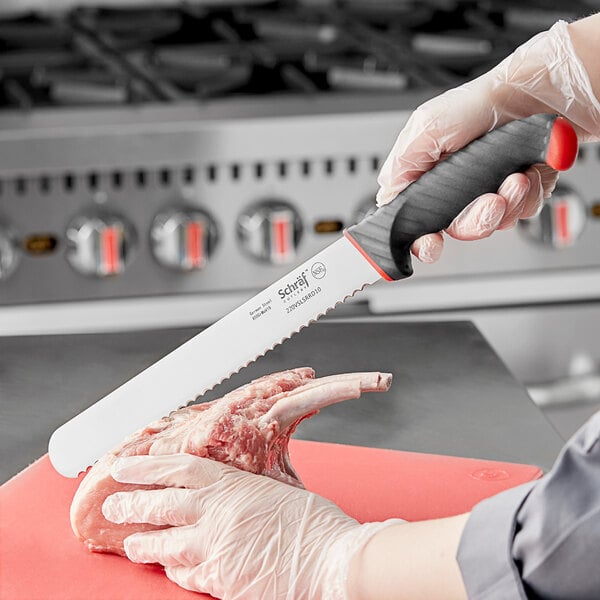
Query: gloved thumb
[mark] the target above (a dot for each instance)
(171, 470)
(435, 129)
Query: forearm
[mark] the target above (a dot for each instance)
(585, 35)
(410, 561)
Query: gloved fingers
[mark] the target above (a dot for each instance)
(428, 248)
(545, 179)
(479, 219)
(535, 197)
(471, 225)
(514, 190)
(169, 547)
(171, 470)
(482, 217)
(169, 506)
(549, 178)
(519, 196)
(542, 183)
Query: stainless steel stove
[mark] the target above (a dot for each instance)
(160, 162)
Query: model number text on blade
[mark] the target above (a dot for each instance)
(301, 301)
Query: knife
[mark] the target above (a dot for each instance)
(375, 248)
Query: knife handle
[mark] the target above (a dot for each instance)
(432, 202)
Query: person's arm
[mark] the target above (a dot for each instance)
(550, 73)
(411, 561)
(585, 35)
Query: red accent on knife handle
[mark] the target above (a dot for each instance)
(383, 274)
(434, 200)
(563, 145)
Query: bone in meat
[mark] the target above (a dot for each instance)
(248, 428)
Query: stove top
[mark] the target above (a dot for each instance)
(143, 114)
(82, 55)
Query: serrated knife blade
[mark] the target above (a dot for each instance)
(378, 246)
(239, 338)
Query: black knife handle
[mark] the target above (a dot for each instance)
(432, 202)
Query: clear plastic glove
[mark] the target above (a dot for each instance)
(235, 534)
(544, 75)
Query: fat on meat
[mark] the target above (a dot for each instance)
(248, 428)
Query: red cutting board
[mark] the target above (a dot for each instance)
(40, 558)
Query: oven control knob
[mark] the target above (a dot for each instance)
(270, 231)
(560, 222)
(183, 238)
(100, 244)
(8, 252)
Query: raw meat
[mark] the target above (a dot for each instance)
(248, 428)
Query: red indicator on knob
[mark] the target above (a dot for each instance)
(562, 231)
(194, 237)
(281, 236)
(110, 242)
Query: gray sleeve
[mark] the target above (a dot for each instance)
(540, 540)
(558, 539)
(485, 551)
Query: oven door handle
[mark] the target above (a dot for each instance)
(567, 390)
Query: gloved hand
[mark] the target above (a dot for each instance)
(543, 75)
(235, 534)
